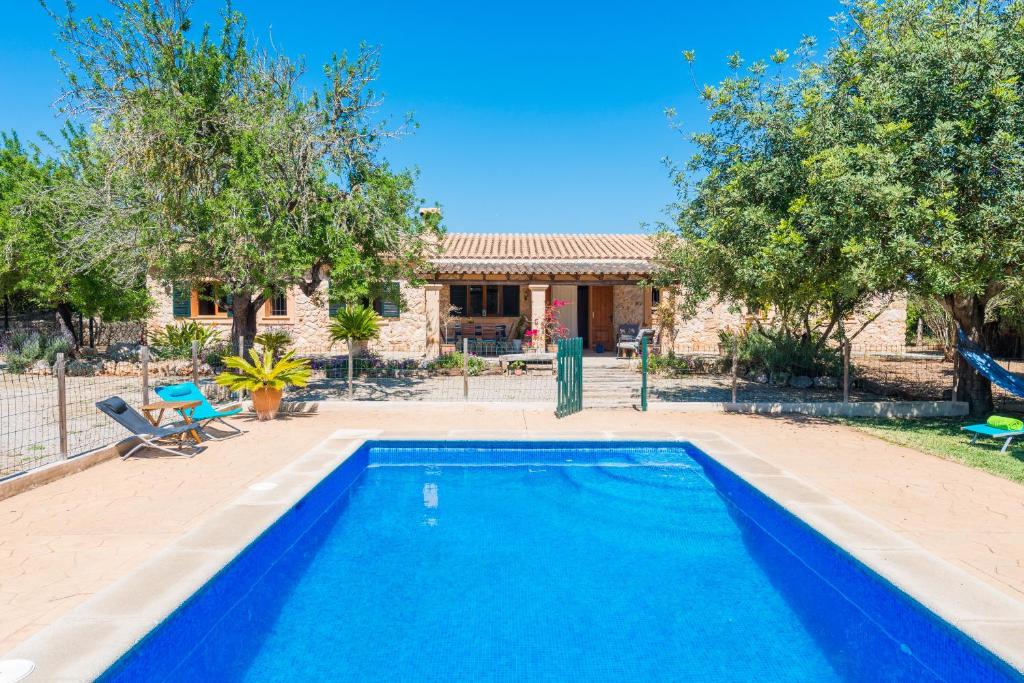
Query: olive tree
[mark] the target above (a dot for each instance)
(232, 170)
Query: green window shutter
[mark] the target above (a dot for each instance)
(181, 300)
(389, 301)
(333, 305)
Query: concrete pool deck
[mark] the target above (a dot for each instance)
(893, 507)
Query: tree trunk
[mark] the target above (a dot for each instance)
(66, 325)
(969, 313)
(243, 321)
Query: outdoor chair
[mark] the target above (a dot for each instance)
(204, 413)
(149, 436)
(988, 431)
(632, 346)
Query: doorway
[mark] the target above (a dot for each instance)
(600, 303)
(583, 314)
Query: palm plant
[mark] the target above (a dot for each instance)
(265, 378)
(274, 341)
(354, 324)
(175, 340)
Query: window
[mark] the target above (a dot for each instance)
(510, 300)
(457, 298)
(386, 300)
(655, 297)
(484, 300)
(208, 301)
(279, 305)
(476, 300)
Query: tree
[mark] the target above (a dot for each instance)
(47, 260)
(763, 218)
(244, 177)
(937, 86)
(893, 164)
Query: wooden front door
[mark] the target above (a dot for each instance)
(601, 317)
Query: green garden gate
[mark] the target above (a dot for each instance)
(569, 367)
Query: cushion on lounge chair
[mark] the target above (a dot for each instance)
(188, 391)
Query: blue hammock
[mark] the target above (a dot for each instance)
(987, 367)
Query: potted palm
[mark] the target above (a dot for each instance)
(352, 325)
(265, 379)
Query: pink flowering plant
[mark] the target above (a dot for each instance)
(550, 324)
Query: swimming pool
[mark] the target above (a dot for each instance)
(512, 561)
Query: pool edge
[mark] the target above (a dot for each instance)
(85, 642)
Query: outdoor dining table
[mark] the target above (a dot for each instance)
(154, 412)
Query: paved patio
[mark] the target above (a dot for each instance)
(64, 541)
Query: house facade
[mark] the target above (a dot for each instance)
(489, 286)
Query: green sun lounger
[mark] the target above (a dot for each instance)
(993, 433)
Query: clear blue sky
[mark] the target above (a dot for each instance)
(534, 116)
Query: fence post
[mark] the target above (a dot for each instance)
(735, 365)
(62, 404)
(846, 372)
(195, 362)
(643, 373)
(465, 368)
(241, 345)
(144, 357)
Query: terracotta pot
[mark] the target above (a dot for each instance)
(266, 403)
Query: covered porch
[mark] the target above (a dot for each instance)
(491, 314)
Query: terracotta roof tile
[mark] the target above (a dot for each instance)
(520, 246)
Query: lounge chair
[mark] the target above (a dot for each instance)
(149, 436)
(204, 413)
(992, 432)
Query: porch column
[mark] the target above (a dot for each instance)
(538, 299)
(432, 296)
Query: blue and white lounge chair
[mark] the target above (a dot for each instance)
(992, 432)
(988, 367)
(204, 413)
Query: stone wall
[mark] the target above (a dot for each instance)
(701, 332)
(627, 306)
(888, 332)
(408, 332)
(309, 321)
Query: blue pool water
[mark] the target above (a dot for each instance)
(547, 562)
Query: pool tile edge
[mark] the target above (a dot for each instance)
(924, 576)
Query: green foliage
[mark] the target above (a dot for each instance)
(274, 341)
(26, 348)
(776, 352)
(48, 256)
(894, 163)
(669, 365)
(264, 372)
(205, 129)
(454, 361)
(174, 341)
(356, 323)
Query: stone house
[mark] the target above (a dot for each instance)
(484, 285)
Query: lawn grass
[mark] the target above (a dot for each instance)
(943, 437)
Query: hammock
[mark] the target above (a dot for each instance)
(988, 367)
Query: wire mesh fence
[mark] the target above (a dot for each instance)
(873, 373)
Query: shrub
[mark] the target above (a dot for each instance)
(783, 352)
(274, 341)
(175, 340)
(25, 348)
(453, 360)
(669, 364)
